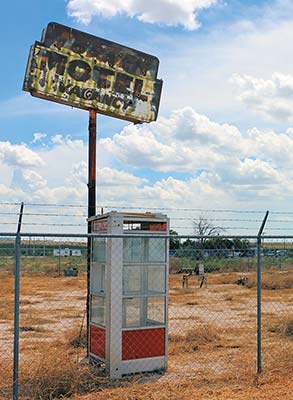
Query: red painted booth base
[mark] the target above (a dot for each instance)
(143, 343)
(97, 341)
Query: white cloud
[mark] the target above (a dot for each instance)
(224, 159)
(59, 139)
(113, 178)
(107, 177)
(196, 69)
(189, 142)
(219, 157)
(27, 180)
(169, 12)
(184, 142)
(249, 172)
(19, 155)
(273, 98)
(223, 166)
(57, 173)
(38, 137)
(271, 146)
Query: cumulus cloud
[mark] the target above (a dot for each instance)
(191, 143)
(111, 177)
(27, 180)
(222, 157)
(221, 166)
(19, 155)
(273, 98)
(106, 176)
(58, 173)
(169, 12)
(185, 141)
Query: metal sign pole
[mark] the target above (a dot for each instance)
(91, 204)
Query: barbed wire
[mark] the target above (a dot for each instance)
(42, 224)
(139, 207)
(44, 214)
(173, 218)
(35, 217)
(172, 227)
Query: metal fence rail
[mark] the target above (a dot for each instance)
(229, 311)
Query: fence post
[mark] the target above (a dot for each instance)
(259, 360)
(16, 317)
(16, 306)
(259, 270)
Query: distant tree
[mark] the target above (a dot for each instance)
(188, 248)
(174, 242)
(218, 243)
(203, 227)
(241, 244)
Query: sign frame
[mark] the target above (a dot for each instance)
(83, 71)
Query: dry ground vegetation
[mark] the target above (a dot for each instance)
(212, 339)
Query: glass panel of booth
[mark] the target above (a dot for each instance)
(133, 250)
(133, 279)
(98, 310)
(156, 278)
(144, 249)
(99, 249)
(143, 312)
(156, 249)
(155, 310)
(98, 278)
(147, 279)
(131, 312)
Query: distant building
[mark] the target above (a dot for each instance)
(66, 252)
(75, 253)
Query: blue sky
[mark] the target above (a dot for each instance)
(224, 136)
(32, 16)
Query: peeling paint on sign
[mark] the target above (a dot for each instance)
(83, 71)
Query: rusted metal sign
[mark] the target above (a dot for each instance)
(81, 70)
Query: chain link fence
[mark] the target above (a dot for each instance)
(211, 290)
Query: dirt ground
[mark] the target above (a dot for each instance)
(212, 341)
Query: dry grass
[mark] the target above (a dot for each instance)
(193, 340)
(274, 280)
(211, 348)
(268, 387)
(76, 338)
(288, 328)
(58, 374)
(283, 327)
(61, 373)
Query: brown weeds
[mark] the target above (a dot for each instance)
(56, 375)
(274, 280)
(193, 339)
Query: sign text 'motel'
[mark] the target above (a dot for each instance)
(81, 70)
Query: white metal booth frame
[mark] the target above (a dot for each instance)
(129, 292)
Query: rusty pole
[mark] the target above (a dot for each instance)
(91, 203)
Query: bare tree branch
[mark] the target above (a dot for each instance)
(203, 227)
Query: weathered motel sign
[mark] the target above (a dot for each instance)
(84, 71)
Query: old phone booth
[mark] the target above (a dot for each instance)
(128, 292)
